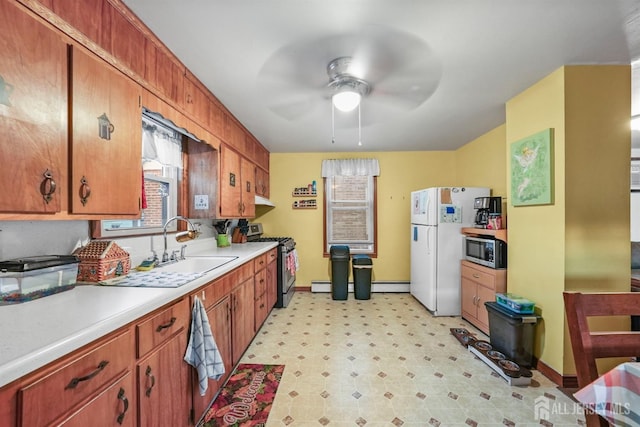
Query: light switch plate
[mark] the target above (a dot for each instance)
(201, 201)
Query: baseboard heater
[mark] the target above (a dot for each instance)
(381, 286)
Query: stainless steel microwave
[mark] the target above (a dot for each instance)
(486, 251)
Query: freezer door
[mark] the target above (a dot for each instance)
(423, 265)
(424, 206)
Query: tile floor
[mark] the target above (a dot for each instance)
(387, 362)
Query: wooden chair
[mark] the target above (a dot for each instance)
(587, 345)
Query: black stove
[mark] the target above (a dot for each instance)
(287, 261)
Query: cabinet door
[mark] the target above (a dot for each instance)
(163, 386)
(219, 319)
(203, 180)
(484, 295)
(113, 407)
(248, 173)
(272, 284)
(468, 298)
(106, 139)
(33, 114)
(261, 302)
(242, 320)
(196, 102)
(230, 183)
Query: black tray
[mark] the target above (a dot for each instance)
(37, 262)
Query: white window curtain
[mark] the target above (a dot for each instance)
(350, 200)
(350, 167)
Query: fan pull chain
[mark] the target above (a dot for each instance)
(359, 127)
(333, 123)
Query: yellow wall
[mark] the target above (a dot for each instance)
(581, 240)
(400, 173)
(482, 163)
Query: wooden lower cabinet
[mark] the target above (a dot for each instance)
(76, 382)
(219, 316)
(242, 318)
(272, 278)
(163, 386)
(115, 406)
(480, 284)
(137, 375)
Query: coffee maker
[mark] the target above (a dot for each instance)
(486, 208)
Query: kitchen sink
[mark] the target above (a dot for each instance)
(197, 264)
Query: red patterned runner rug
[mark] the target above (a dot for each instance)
(246, 398)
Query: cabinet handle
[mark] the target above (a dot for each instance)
(166, 325)
(153, 381)
(475, 275)
(121, 396)
(75, 381)
(48, 186)
(85, 191)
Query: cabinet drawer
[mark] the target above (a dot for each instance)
(272, 255)
(50, 397)
(481, 277)
(260, 262)
(161, 326)
(113, 407)
(214, 292)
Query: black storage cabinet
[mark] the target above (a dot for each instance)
(362, 267)
(339, 272)
(512, 333)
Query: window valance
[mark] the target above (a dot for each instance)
(350, 167)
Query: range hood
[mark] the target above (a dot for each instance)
(262, 201)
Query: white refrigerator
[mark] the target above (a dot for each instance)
(437, 215)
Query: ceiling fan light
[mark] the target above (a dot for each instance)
(346, 100)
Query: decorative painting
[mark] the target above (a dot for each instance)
(532, 169)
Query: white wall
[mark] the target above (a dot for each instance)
(20, 239)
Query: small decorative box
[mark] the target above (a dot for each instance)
(102, 260)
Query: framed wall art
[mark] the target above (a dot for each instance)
(532, 169)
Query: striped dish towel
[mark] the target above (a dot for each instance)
(202, 351)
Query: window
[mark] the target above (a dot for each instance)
(350, 203)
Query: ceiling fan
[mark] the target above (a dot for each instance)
(392, 72)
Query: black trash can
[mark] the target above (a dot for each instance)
(339, 272)
(512, 333)
(362, 267)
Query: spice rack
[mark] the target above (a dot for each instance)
(308, 191)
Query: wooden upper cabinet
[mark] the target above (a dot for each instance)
(230, 196)
(216, 120)
(106, 139)
(237, 185)
(234, 134)
(248, 172)
(262, 182)
(196, 102)
(91, 17)
(33, 114)
(202, 165)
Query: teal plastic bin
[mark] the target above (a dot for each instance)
(362, 266)
(339, 272)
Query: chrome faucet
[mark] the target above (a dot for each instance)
(181, 236)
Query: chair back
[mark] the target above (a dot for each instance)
(590, 345)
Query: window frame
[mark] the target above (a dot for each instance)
(325, 216)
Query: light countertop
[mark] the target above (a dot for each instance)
(37, 332)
